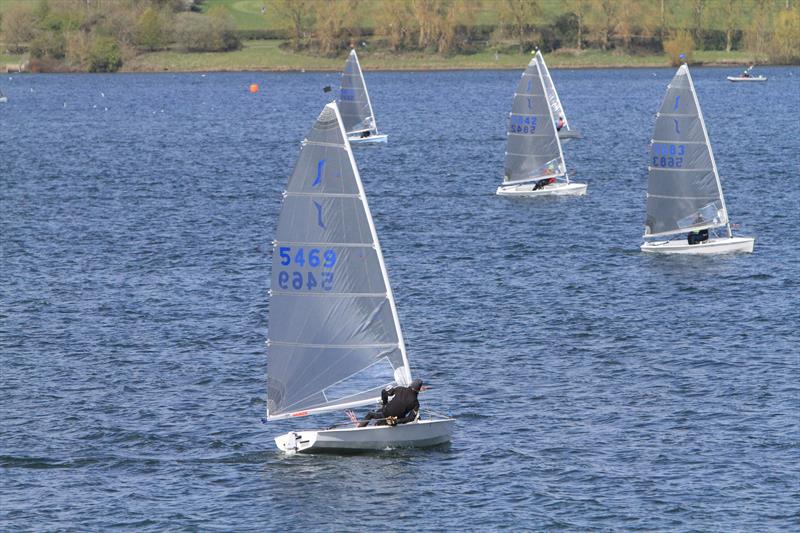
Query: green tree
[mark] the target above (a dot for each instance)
(519, 17)
(19, 27)
(681, 42)
(104, 55)
(757, 32)
(698, 19)
(150, 30)
(731, 11)
(224, 29)
(785, 43)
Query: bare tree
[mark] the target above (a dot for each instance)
(300, 15)
(394, 22)
(602, 20)
(579, 9)
(519, 16)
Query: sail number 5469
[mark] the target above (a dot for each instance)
(314, 258)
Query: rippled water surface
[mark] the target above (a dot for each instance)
(594, 387)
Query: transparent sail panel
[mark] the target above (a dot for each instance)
(552, 95)
(532, 149)
(353, 100)
(682, 180)
(333, 333)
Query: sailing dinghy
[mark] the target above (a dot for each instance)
(684, 192)
(566, 132)
(334, 335)
(355, 106)
(534, 160)
(746, 76)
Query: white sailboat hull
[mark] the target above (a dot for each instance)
(3, 99)
(379, 138)
(719, 245)
(740, 78)
(418, 434)
(555, 189)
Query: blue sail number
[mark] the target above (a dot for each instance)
(315, 258)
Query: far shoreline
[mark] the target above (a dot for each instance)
(293, 70)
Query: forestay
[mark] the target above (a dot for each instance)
(334, 335)
(552, 93)
(684, 191)
(533, 150)
(353, 101)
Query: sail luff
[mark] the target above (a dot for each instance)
(710, 151)
(389, 294)
(366, 93)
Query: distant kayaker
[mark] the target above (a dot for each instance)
(401, 409)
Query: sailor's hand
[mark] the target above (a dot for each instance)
(391, 420)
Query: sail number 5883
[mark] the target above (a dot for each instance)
(668, 155)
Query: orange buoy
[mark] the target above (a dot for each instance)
(253, 87)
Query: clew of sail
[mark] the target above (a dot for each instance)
(335, 338)
(684, 191)
(533, 150)
(551, 92)
(353, 101)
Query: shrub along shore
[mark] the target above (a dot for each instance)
(271, 56)
(296, 35)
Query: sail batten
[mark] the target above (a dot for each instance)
(684, 190)
(335, 338)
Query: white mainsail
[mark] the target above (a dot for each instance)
(684, 192)
(551, 92)
(334, 334)
(533, 150)
(353, 101)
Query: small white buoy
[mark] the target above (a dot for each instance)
(102, 94)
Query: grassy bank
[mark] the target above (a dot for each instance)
(267, 55)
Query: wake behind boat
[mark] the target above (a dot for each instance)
(684, 192)
(334, 335)
(534, 164)
(355, 106)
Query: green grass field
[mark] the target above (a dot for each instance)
(267, 55)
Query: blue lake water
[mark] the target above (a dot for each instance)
(595, 387)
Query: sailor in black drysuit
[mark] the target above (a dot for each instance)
(403, 408)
